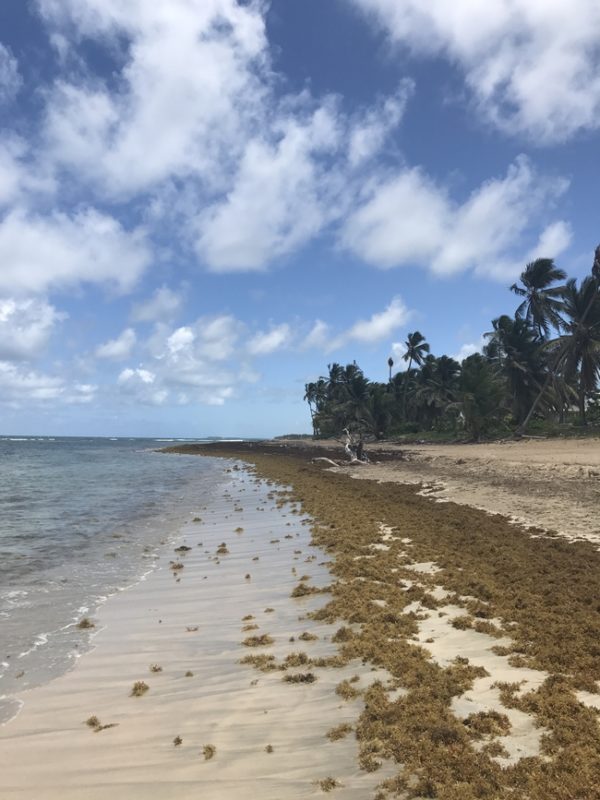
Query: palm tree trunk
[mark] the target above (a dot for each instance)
(406, 389)
(582, 405)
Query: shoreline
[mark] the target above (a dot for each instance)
(456, 656)
(49, 751)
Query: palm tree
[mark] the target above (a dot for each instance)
(517, 352)
(542, 305)
(480, 395)
(416, 348)
(561, 351)
(390, 365)
(582, 340)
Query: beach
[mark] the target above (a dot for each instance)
(180, 631)
(416, 646)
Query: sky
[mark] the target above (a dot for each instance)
(205, 202)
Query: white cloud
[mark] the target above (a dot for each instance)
(268, 342)
(120, 348)
(41, 253)
(533, 66)
(469, 349)
(553, 240)
(410, 220)
(190, 74)
(380, 325)
(319, 337)
(10, 78)
(163, 304)
(20, 385)
(25, 327)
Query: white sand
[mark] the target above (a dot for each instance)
(48, 753)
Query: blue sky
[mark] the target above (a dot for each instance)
(204, 202)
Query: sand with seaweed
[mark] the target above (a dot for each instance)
(489, 630)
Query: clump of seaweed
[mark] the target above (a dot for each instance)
(155, 668)
(300, 677)
(93, 722)
(302, 590)
(176, 565)
(296, 660)
(139, 688)
(346, 690)
(258, 641)
(85, 624)
(177, 741)
(263, 662)
(339, 732)
(269, 748)
(487, 723)
(269, 610)
(189, 674)
(247, 617)
(305, 636)
(329, 784)
(222, 549)
(182, 549)
(192, 628)
(209, 751)
(239, 530)
(249, 628)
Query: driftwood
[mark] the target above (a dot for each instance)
(323, 460)
(353, 449)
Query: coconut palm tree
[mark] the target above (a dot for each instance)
(416, 348)
(542, 304)
(581, 341)
(390, 365)
(561, 351)
(519, 357)
(480, 395)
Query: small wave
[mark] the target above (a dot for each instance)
(10, 707)
(41, 640)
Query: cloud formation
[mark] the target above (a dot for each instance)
(25, 327)
(409, 219)
(118, 349)
(40, 253)
(532, 66)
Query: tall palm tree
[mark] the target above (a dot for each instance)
(582, 340)
(542, 304)
(416, 348)
(390, 365)
(520, 360)
(562, 350)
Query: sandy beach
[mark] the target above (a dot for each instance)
(189, 623)
(414, 648)
(552, 483)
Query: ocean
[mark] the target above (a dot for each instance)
(80, 519)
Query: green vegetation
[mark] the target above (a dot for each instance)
(539, 367)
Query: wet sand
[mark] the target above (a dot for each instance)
(190, 620)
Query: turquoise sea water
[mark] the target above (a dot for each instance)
(79, 519)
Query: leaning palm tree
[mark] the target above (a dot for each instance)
(416, 348)
(542, 304)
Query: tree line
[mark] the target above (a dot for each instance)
(540, 366)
